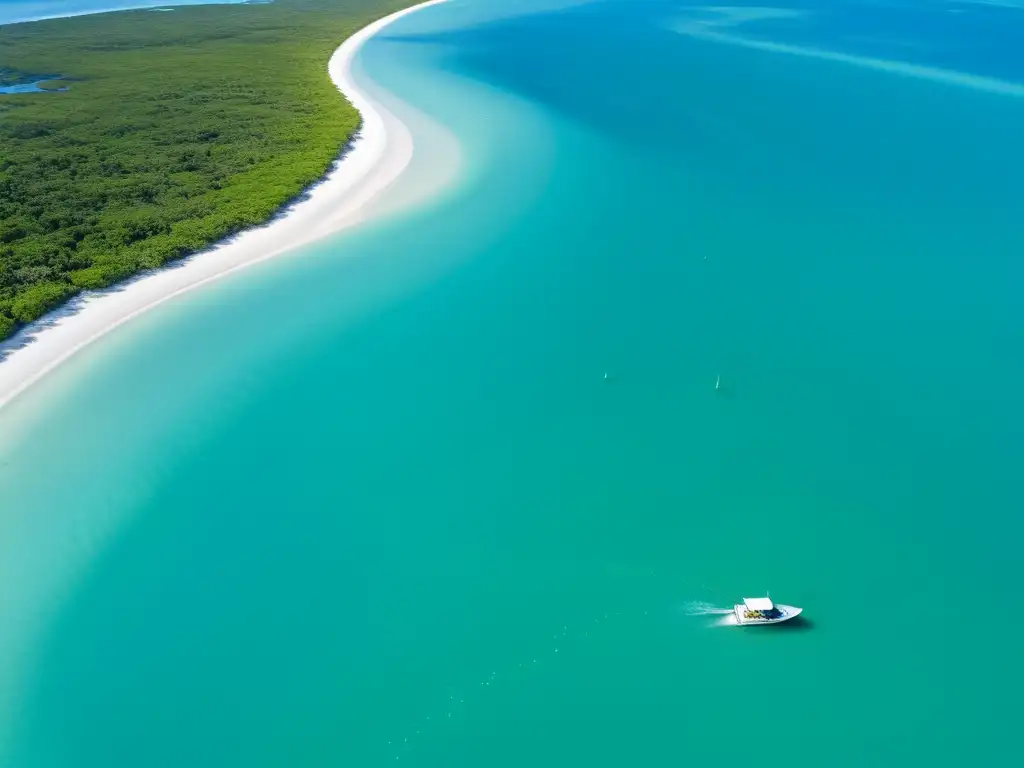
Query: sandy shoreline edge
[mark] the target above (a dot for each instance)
(378, 155)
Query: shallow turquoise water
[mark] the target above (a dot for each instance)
(27, 10)
(23, 88)
(376, 502)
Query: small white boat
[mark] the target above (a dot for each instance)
(718, 382)
(761, 610)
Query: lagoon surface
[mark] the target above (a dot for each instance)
(34, 85)
(376, 503)
(23, 87)
(31, 10)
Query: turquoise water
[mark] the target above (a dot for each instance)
(28, 10)
(376, 503)
(23, 87)
(33, 85)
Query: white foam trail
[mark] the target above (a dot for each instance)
(723, 617)
(702, 608)
(701, 31)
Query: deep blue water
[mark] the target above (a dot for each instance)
(977, 37)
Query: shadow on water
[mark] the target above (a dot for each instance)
(796, 624)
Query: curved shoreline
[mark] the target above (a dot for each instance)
(379, 153)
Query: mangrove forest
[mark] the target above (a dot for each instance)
(153, 135)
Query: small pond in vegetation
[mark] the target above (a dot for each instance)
(32, 87)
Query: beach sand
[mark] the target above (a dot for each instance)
(381, 152)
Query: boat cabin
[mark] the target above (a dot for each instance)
(758, 608)
(761, 610)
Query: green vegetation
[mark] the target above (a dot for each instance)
(177, 130)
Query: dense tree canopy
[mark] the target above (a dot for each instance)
(177, 129)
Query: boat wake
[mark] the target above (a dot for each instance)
(723, 617)
(702, 608)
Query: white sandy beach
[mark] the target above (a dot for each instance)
(377, 158)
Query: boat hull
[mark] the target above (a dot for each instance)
(785, 613)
